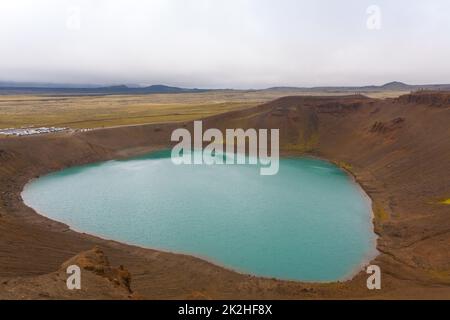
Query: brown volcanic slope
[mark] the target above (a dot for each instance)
(398, 150)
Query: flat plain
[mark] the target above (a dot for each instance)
(97, 111)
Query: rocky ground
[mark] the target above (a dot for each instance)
(397, 149)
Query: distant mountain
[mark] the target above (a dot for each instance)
(14, 84)
(159, 88)
(395, 85)
(28, 88)
(390, 86)
(48, 88)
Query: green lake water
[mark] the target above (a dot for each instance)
(309, 222)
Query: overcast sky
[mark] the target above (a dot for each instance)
(225, 43)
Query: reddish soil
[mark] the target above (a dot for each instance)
(397, 149)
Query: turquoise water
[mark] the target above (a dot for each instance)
(309, 222)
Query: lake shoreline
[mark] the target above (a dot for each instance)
(365, 260)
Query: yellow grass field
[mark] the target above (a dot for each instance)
(117, 110)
